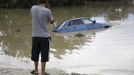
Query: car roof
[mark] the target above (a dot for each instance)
(78, 18)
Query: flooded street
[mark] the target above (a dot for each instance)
(97, 52)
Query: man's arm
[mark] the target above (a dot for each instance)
(51, 18)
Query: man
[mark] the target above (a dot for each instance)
(41, 16)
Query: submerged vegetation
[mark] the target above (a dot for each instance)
(29, 3)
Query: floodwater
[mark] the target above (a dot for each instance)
(97, 52)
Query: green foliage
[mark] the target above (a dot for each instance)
(25, 3)
(17, 3)
(29, 3)
(66, 2)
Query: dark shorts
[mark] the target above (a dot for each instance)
(40, 45)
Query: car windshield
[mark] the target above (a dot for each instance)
(87, 21)
(63, 24)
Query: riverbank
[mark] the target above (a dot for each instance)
(23, 66)
(9, 71)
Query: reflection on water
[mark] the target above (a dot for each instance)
(94, 51)
(66, 42)
(15, 26)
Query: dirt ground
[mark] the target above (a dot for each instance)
(8, 71)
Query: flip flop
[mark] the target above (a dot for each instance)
(47, 73)
(34, 73)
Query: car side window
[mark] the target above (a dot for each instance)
(77, 22)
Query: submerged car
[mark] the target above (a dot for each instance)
(79, 24)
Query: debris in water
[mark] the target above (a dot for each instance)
(79, 35)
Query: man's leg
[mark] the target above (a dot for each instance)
(43, 69)
(44, 54)
(35, 54)
(36, 67)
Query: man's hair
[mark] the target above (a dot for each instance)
(42, 1)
